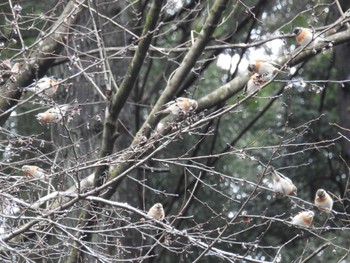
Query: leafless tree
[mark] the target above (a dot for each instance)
(148, 107)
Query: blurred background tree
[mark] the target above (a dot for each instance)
(120, 62)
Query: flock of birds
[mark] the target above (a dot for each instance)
(282, 185)
(285, 186)
(265, 70)
(46, 87)
(262, 70)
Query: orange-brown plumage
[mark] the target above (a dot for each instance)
(323, 201)
(178, 106)
(32, 171)
(156, 211)
(303, 36)
(57, 113)
(264, 68)
(304, 218)
(46, 86)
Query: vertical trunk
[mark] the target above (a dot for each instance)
(342, 54)
(76, 146)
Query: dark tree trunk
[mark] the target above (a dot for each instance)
(342, 54)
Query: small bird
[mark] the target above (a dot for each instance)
(156, 211)
(57, 113)
(264, 68)
(15, 68)
(303, 36)
(323, 201)
(44, 86)
(8, 69)
(282, 184)
(254, 83)
(178, 106)
(32, 171)
(304, 218)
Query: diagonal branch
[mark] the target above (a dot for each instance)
(221, 94)
(41, 59)
(120, 98)
(229, 89)
(110, 126)
(175, 82)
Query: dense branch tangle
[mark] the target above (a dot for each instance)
(208, 172)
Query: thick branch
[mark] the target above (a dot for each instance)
(175, 82)
(231, 88)
(189, 60)
(120, 98)
(225, 92)
(112, 114)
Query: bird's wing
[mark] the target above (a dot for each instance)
(166, 108)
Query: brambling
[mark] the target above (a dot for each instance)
(44, 86)
(254, 83)
(303, 36)
(282, 184)
(32, 171)
(304, 218)
(57, 113)
(323, 201)
(8, 69)
(264, 68)
(156, 211)
(178, 106)
(15, 68)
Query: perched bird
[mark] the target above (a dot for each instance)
(15, 68)
(32, 171)
(172, 110)
(303, 36)
(44, 86)
(282, 184)
(254, 83)
(264, 68)
(9, 69)
(156, 211)
(178, 106)
(57, 113)
(323, 201)
(304, 218)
